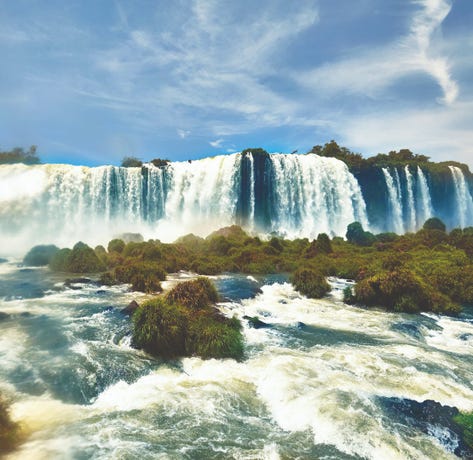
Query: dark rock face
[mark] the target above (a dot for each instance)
(431, 418)
(130, 308)
(255, 322)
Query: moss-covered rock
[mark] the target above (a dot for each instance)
(185, 323)
(81, 259)
(40, 255)
(195, 294)
(310, 282)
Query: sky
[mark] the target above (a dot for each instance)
(91, 81)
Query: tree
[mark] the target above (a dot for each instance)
(131, 162)
(434, 223)
(19, 155)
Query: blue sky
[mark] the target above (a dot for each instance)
(92, 81)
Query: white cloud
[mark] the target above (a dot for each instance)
(216, 144)
(182, 133)
(443, 133)
(374, 70)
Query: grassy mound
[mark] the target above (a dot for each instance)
(185, 323)
(310, 282)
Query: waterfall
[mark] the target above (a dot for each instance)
(314, 195)
(463, 198)
(424, 201)
(412, 226)
(292, 195)
(395, 200)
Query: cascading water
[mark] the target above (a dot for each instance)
(424, 200)
(395, 201)
(291, 195)
(313, 195)
(294, 195)
(412, 224)
(463, 197)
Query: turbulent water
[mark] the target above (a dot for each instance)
(318, 383)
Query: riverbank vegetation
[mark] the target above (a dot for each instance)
(430, 270)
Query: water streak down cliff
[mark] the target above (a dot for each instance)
(292, 195)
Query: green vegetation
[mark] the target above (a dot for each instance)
(19, 155)
(131, 162)
(9, 431)
(357, 163)
(185, 323)
(310, 282)
(434, 223)
(430, 270)
(160, 163)
(81, 259)
(40, 255)
(465, 421)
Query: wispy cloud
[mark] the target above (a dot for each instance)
(217, 143)
(375, 69)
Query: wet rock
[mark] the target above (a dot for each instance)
(300, 325)
(255, 322)
(4, 316)
(431, 418)
(100, 292)
(409, 328)
(71, 283)
(130, 308)
(466, 336)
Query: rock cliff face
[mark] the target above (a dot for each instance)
(292, 195)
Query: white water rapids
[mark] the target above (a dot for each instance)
(311, 386)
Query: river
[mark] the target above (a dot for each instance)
(325, 380)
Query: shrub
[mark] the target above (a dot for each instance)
(83, 259)
(184, 323)
(213, 337)
(310, 283)
(196, 294)
(60, 261)
(160, 163)
(160, 328)
(323, 243)
(143, 276)
(131, 162)
(356, 235)
(434, 223)
(116, 245)
(465, 421)
(40, 255)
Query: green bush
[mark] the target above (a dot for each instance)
(116, 245)
(60, 261)
(131, 162)
(196, 294)
(434, 223)
(184, 323)
(213, 337)
(310, 283)
(143, 275)
(40, 255)
(81, 259)
(465, 421)
(160, 328)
